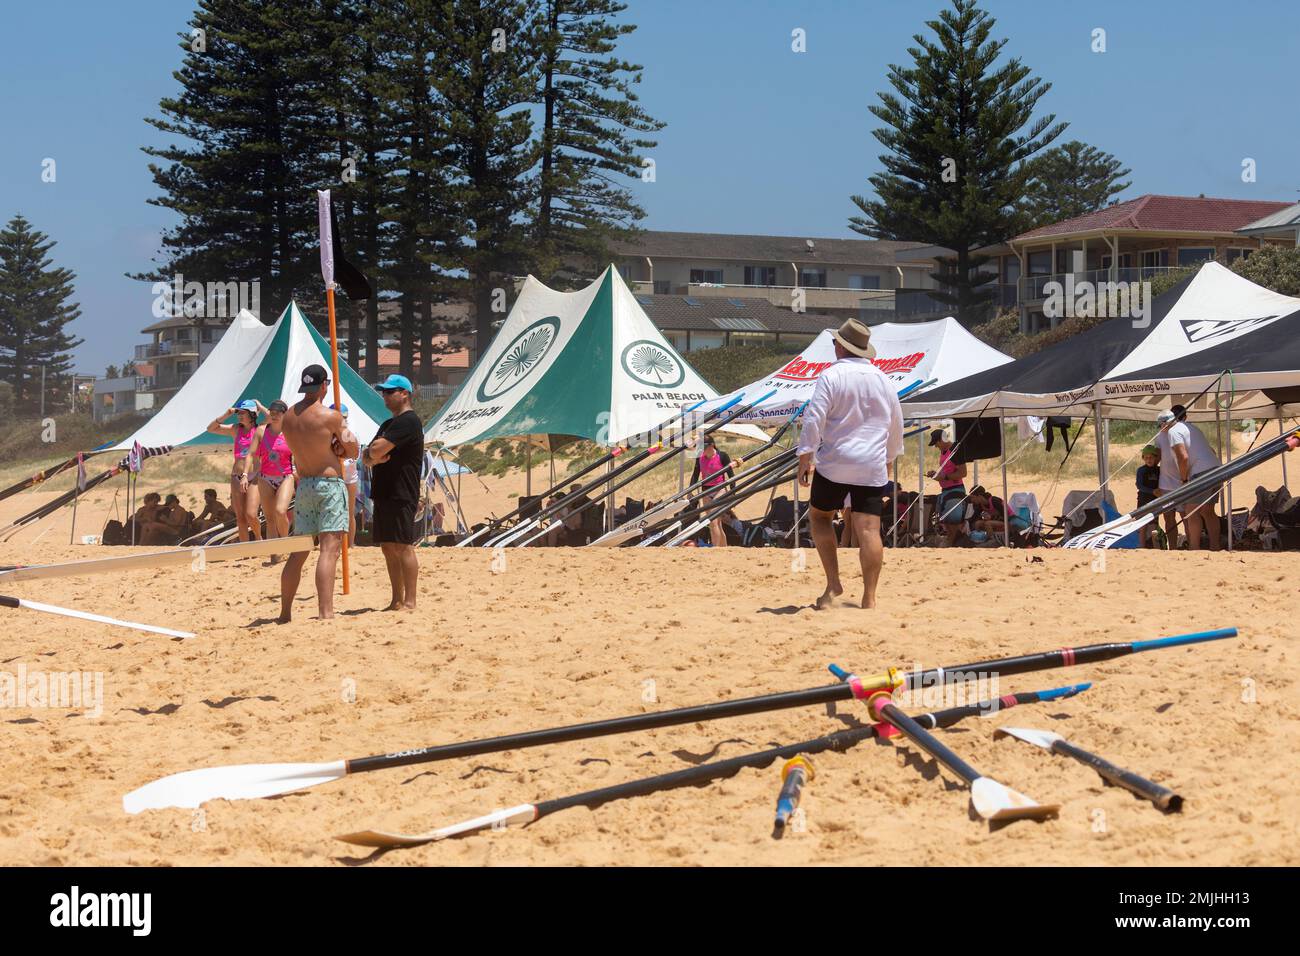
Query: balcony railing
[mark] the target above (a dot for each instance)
(1032, 287)
(165, 349)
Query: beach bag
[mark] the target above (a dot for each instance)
(114, 533)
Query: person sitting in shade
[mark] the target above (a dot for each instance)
(214, 513)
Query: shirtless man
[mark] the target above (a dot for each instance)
(318, 439)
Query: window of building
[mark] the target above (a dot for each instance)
(1191, 255)
(752, 338)
(760, 275)
(812, 278)
(1040, 263)
(663, 287)
(184, 368)
(1232, 254)
(206, 334)
(1153, 258)
(713, 276)
(707, 340)
(864, 282)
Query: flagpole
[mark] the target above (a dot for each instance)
(334, 361)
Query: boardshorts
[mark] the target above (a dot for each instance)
(321, 505)
(830, 495)
(394, 522)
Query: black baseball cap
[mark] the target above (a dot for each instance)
(313, 377)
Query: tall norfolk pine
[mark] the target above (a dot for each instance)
(957, 130)
(486, 139)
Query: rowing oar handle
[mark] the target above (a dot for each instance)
(1162, 797)
(7, 601)
(890, 714)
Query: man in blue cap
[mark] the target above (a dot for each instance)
(395, 457)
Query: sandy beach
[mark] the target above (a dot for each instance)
(561, 636)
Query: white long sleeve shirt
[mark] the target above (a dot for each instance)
(853, 424)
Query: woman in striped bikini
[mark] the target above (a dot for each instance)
(243, 496)
(275, 482)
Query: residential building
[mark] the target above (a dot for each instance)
(1133, 241)
(691, 322)
(833, 278)
(179, 345)
(114, 397)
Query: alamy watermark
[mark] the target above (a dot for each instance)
(207, 300)
(1111, 300)
(22, 689)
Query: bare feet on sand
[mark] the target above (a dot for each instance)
(827, 596)
(867, 603)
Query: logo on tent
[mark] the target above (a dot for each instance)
(1213, 330)
(898, 366)
(520, 358)
(653, 365)
(800, 371)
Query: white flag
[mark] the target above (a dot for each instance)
(326, 237)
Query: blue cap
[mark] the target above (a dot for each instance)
(394, 382)
(343, 409)
(247, 405)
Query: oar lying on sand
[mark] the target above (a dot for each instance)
(691, 776)
(191, 788)
(7, 601)
(1162, 797)
(159, 559)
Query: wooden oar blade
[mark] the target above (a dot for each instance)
(497, 820)
(252, 781)
(995, 801)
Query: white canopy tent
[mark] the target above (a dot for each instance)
(257, 361)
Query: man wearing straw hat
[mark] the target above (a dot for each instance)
(852, 430)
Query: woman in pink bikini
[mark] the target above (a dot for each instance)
(243, 495)
(713, 466)
(275, 482)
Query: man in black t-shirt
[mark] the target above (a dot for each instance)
(395, 457)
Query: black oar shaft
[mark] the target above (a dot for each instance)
(605, 728)
(770, 702)
(837, 742)
(926, 741)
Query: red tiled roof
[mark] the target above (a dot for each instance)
(392, 358)
(1164, 214)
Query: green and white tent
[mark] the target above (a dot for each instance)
(254, 360)
(587, 363)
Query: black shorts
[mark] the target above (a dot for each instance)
(829, 495)
(394, 522)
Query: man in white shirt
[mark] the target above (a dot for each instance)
(852, 430)
(1184, 454)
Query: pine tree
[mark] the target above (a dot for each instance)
(1070, 180)
(957, 148)
(589, 146)
(34, 312)
(486, 83)
(255, 110)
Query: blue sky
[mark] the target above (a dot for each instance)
(759, 139)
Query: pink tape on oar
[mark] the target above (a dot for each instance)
(1067, 656)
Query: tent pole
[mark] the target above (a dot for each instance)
(920, 488)
(1103, 464)
(798, 431)
(1006, 498)
(895, 497)
(131, 479)
(528, 466)
(72, 534)
(681, 467)
(1281, 430)
(1227, 511)
(609, 498)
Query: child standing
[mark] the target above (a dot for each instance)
(1148, 485)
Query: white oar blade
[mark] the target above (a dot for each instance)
(497, 820)
(101, 619)
(251, 781)
(1099, 539)
(616, 537)
(994, 801)
(1039, 738)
